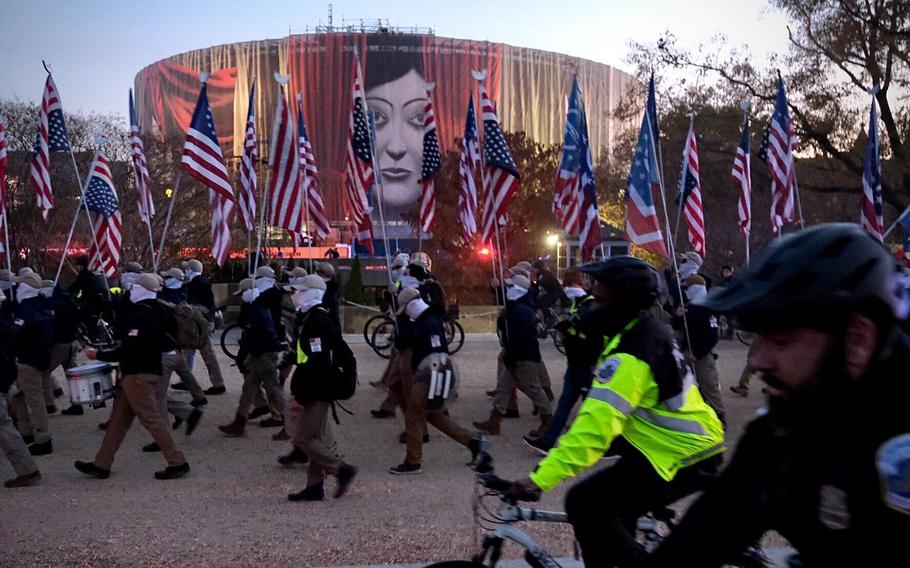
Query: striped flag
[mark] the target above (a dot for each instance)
(4, 163)
(203, 160)
(689, 197)
(101, 200)
(358, 167)
(871, 208)
(144, 201)
(589, 234)
(285, 195)
(432, 163)
(468, 167)
(781, 142)
(51, 137)
(246, 197)
(742, 177)
(501, 177)
(642, 225)
(310, 176)
(567, 196)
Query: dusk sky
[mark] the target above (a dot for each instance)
(96, 47)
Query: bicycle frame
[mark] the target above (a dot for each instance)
(510, 514)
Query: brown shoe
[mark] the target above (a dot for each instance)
(234, 429)
(23, 480)
(492, 425)
(545, 420)
(741, 391)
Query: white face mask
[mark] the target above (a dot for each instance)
(263, 284)
(415, 308)
(138, 294)
(409, 282)
(173, 284)
(127, 279)
(250, 295)
(305, 300)
(25, 292)
(46, 292)
(573, 292)
(696, 292)
(191, 274)
(397, 273)
(515, 292)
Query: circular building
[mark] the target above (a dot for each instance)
(529, 87)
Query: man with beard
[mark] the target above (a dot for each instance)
(827, 465)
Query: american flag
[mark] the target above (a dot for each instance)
(432, 163)
(202, 159)
(310, 176)
(358, 167)
(689, 197)
(285, 194)
(468, 167)
(872, 218)
(101, 201)
(589, 235)
(781, 142)
(501, 177)
(742, 177)
(246, 197)
(4, 162)
(51, 137)
(140, 170)
(567, 196)
(904, 220)
(642, 225)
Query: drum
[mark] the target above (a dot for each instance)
(91, 383)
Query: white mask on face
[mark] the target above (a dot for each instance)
(25, 292)
(127, 279)
(573, 292)
(263, 284)
(515, 292)
(250, 295)
(190, 275)
(696, 292)
(397, 273)
(46, 292)
(415, 308)
(138, 294)
(173, 284)
(409, 282)
(305, 300)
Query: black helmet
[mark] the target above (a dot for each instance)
(632, 278)
(815, 278)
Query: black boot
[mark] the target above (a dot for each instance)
(173, 471)
(41, 448)
(73, 410)
(295, 457)
(89, 468)
(310, 493)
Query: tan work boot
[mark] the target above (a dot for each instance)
(235, 429)
(545, 420)
(492, 425)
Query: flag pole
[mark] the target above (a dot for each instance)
(306, 191)
(747, 231)
(896, 223)
(151, 238)
(9, 255)
(682, 180)
(69, 239)
(378, 198)
(799, 203)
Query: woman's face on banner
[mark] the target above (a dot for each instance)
(398, 108)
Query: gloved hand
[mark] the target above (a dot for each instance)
(521, 487)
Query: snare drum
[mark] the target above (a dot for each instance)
(91, 383)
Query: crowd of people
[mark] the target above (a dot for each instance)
(826, 465)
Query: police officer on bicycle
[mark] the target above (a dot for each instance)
(643, 392)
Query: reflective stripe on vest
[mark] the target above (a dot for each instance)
(612, 398)
(670, 422)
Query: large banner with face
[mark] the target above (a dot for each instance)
(529, 87)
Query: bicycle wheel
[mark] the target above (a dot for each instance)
(370, 326)
(745, 337)
(454, 336)
(557, 341)
(383, 338)
(230, 340)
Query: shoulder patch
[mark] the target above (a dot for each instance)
(608, 369)
(893, 463)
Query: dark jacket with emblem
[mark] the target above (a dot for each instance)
(429, 337)
(702, 335)
(199, 292)
(144, 331)
(259, 333)
(811, 476)
(33, 332)
(66, 316)
(518, 331)
(317, 338)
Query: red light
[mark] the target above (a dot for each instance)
(485, 251)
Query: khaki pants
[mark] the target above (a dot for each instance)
(136, 398)
(62, 354)
(261, 370)
(513, 394)
(526, 377)
(179, 362)
(168, 404)
(210, 360)
(399, 367)
(709, 382)
(745, 380)
(417, 416)
(12, 445)
(31, 386)
(310, 430)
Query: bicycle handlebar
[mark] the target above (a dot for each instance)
(483, 465)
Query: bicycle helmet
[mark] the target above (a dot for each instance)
(815, 278)
(633, 279)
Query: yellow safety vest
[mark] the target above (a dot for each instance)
(624, 399)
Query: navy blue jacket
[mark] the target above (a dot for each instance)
(144, 331)
(33, 333)
(259, 333)
(429, 337)
(518, 330)
(199, 291)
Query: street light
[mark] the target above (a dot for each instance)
(554, 241)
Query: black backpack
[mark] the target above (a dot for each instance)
(345, 366)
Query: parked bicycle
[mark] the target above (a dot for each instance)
(380, 331)
(500, 525)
